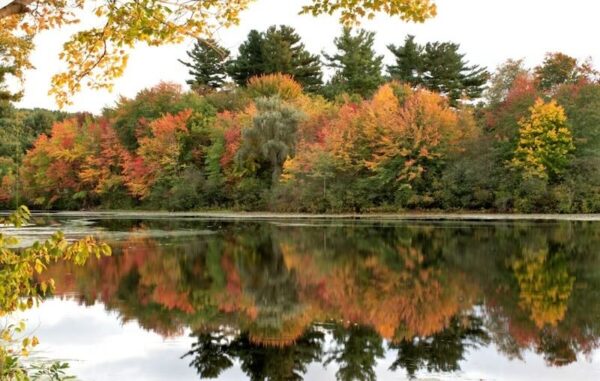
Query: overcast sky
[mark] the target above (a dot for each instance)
(489, 31)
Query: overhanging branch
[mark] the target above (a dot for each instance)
(15, 7)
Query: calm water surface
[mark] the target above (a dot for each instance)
(197, 298)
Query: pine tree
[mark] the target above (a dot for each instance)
(207, 65)
(358, 67)
(438, 66)
(408, 67)
(249, 62)
(278, 50)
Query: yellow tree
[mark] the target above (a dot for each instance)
(99, 54)
(545, 141)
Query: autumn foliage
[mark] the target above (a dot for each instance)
(271, 146)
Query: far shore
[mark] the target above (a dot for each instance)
(401, 216)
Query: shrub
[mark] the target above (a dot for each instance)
(281, 85)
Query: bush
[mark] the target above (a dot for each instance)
(533, 196)
(188, 191)
(250, 194)
(229, 100)
(281, 85)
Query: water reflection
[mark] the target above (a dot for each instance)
(274, 298)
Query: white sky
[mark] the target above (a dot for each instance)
(489, 31)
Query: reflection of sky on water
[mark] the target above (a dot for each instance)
(79, 229)
(100, 347)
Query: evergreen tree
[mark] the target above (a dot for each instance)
(358, 67)
(249, 62)
(207, 65)
(439, 67)
(283, 52)
(409, 63)
(278, 50)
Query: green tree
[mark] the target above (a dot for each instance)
(207, 65)
(409, 63)
(271, 139)
(278, 50)
(438, 66)
(358, 67)
(249, 61)
(283, 52)
(558, 69)
(582, 106)
(356, 352)
(442, 351)
(131, 117)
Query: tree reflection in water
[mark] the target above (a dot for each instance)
(275, 297)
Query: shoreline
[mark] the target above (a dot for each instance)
(404, 216)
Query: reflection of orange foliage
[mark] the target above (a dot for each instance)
(413, 301)
(401, 289)
(233, 288)
(160, 281)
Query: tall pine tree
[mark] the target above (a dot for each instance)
(278, 50)
(409, 63)
(249, 62)
(439, 67)
(358, 67)
(207, 65)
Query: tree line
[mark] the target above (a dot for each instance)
(263, 130)
(358, 69)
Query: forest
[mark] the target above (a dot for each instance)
(275, 127)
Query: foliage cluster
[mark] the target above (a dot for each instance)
(359, 143)
(21, 287)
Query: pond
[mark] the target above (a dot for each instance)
(192, 297)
